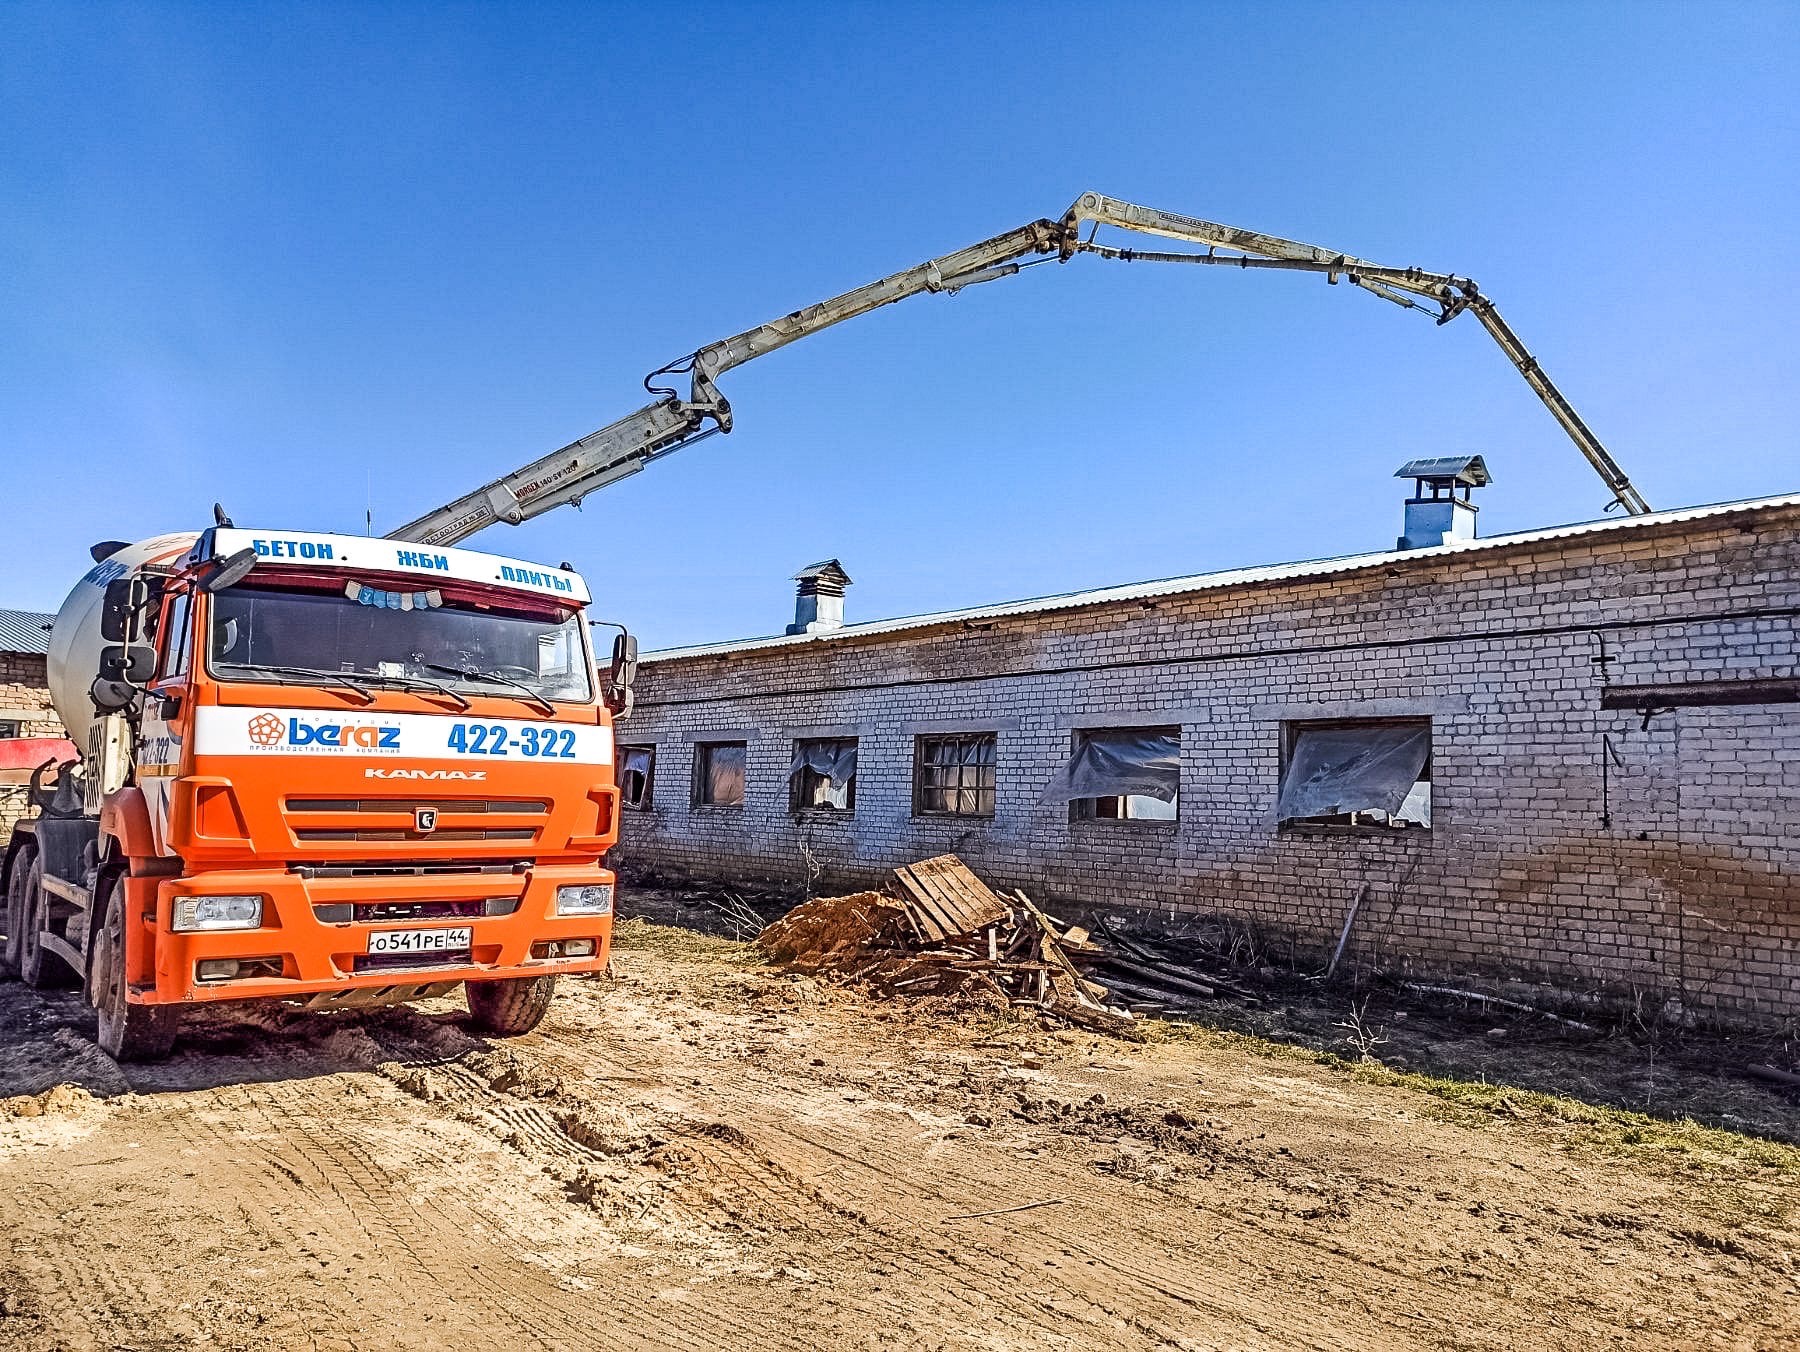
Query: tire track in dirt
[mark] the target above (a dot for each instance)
(738, 1178)
(517, 1301)
(975, 1282)
(1443, 1275)
(709, 1161)
(910, 1240)
(70, 1285)
(414, 1056)
(548, 1142)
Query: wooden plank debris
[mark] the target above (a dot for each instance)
(944, 900)
(1773, 1075)
(1452, 991)
(947, 927)
(1344, 938)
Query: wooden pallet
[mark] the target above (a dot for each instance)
(944, 900)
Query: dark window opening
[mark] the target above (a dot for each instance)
(10, 728)
(822, 776)
(1356, 773)
(637, 764)
(719, 774)
(1121, 774)
(954, 776)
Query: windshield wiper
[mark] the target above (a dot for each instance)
(310, 673)
(423, 683)
(474, 674)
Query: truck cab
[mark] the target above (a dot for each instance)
(328, 769)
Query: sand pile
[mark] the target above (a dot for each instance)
(841, 934)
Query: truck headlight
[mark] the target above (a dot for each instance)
(217, 913)
(585, 899)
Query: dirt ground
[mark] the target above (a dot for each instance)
(712, 1153)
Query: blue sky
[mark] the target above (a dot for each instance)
(303, 258)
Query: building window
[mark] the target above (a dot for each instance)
(10, 728)
(953, 776)
(719, 774)
(636, 765)
(1373, 772)
(1121, 774)
(822, 776)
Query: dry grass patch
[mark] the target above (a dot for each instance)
(1679, 1145)
(686, 945)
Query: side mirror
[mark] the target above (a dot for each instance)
(128, 664)
(119, 612)
(218, 574)
(621, 675)
(624, 663)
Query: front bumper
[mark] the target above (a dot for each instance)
(317, 955)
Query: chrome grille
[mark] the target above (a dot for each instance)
(408, 806)
(371, 912)
(315, 835)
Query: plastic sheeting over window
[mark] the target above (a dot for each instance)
(823, 775)
(635, 764)
(1368, 767)
(719, 774)
(1120, 763)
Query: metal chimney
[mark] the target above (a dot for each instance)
(819, 599)
(1439, 512)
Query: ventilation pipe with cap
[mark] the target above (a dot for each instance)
(1439, 512)
(819, 599)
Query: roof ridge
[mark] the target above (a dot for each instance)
(1223, 577)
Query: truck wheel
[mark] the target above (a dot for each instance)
(128, 1032)
(13, 920)
(38, 968)
(509, 1007)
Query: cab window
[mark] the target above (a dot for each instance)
(173, 637)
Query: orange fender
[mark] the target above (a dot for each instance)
(126, 819)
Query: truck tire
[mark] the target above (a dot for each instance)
(13, 920)
(128, 1032)
(38, 968)
(510, 1007)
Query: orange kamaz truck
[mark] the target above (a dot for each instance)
(318, 768)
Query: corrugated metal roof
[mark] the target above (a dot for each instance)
(24, 631)
(1233, 577)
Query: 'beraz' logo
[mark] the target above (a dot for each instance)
(370, 736)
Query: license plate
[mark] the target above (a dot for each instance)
(421, 940)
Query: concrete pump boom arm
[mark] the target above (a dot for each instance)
(1450, 294)
(670, 422)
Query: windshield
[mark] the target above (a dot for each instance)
(292, 634)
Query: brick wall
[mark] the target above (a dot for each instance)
(1568, 842)
(24, 697)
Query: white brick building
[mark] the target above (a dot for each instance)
(25, 712)
(1609, 790)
